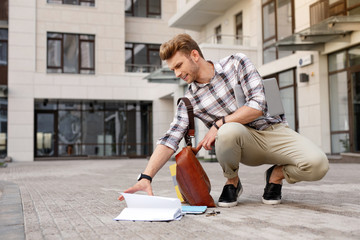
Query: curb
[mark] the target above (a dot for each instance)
(11, 212)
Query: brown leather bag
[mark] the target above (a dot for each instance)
(193, 182)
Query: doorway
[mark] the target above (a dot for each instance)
(45, 137)
(344, 92)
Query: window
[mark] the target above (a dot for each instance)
(239, 28)
(70, 53)
(141, 57)
(3, 126)
(344, 92)
(278, 22)
(218, 34)
(3, 47)
(3, 56)
(143, 8)
(77, 128)
(288, 92)
(74, 2)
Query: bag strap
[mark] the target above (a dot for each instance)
(191, 128)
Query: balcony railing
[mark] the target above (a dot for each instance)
(319, 11)
(227, 39)
(141, 68)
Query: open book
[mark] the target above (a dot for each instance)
(150, 208)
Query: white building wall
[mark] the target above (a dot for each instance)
(29, 22)
(21, 68)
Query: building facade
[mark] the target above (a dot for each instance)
(74, 84)
(72, 72)
(311, 47)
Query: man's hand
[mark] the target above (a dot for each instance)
(208, 140)
(142, 185)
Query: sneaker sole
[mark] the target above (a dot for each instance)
(231, 204)
(269, 202)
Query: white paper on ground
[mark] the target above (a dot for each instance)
(150, 208)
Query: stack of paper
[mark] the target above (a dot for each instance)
(150, 208)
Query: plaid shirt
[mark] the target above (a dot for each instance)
(215, 99)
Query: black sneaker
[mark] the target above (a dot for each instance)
(229, 195)
(272, 191)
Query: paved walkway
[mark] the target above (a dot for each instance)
(78, 200)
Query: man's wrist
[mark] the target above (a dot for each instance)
(215, 125)
(144, 176)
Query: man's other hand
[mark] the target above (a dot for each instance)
(208, 140)
(142, 185)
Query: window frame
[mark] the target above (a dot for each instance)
(348, 69)
(267, 42)
(80, 40)
(149, 48)
(148, 13)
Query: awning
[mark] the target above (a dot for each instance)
(333, 29)
(162, 75)
(195, 14)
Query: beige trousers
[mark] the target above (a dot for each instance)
(278, 144)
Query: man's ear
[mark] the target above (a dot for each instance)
(195, 55)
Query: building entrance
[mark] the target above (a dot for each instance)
(92, 128)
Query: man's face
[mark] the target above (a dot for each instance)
(184, 67)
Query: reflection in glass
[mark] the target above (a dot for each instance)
(69, 132)
(45, 134)
(286, 78)
(71, 53)
(87, 54)
(54, 53)
(339, 102)
(340, 143)
(154, 7)
(287, 97)
(115, 133)
(269, 20)
(354, 56)
(140, 54)
(284, 19)
(269, 55)
(93, 129)
(3, 53)
(337, 61)
(140, 8)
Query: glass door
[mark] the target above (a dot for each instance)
(46, 134)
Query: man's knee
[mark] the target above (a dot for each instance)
(318, 166)
(229, 133)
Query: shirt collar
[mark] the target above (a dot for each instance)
(194, 86)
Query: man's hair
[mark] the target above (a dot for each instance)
(181, 42)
